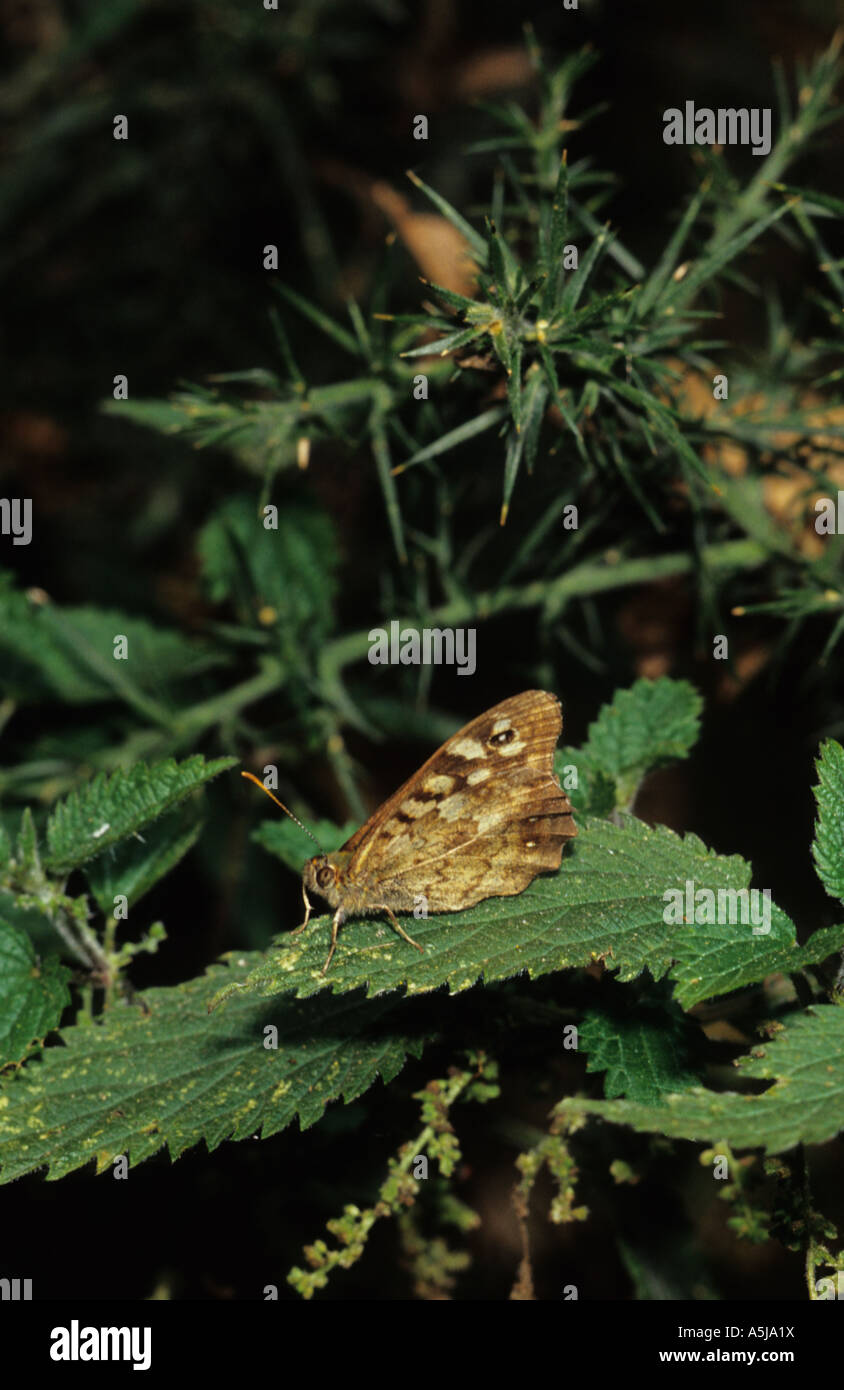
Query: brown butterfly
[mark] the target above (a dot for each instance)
(480, 819)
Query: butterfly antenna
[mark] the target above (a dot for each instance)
(258, 783)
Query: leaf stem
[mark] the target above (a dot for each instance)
(580, 582)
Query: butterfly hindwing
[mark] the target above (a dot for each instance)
(482, 817)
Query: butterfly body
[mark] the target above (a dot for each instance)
(481, 818)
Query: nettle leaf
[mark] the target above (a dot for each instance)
(169, 1074)
(594, 794)
(644, 1056)
(718, 958)
(652, 723)
(113, 806)
(33, 994)
(27, 856)
(49, 652)
(805, 1105)
(608, 901)
(828, 845)
(290, 572)
(293, 846)
(136, 865)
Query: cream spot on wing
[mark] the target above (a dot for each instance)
(509, 750)
(415, 809)
(439, 783)
(491, 821)
(501, 726)
(453, 806)
(469, 748)
(479, 775)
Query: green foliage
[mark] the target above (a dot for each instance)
(33, 994)
(293, 846)
(828, 848)
(68, 653)
(607, 902)
(594, 792)
(270, 517)
(805, 1060)
(281, 578)
(170, 1075)
(435, 1141)
(136, 864)
(644, 1059)
(720, 958)
(111, 808)
(655, 722)
(595, 362)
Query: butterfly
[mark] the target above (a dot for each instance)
(480, 819)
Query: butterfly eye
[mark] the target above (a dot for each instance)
(325, 876)
(506, 736)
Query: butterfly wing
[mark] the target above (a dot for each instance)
(481, 818)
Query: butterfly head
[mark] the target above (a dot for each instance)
(323, 875)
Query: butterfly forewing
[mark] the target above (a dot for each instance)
(481, 818)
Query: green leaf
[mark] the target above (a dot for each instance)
(714, 260)
(805, 1105)
(111, 807)
(715, 959)
(502, 266)
(384, 469)
(476, 425)
(169, 1074)
(577, 281)
(168, 417)
(644, 1057)
(292, 845)
(33, 994)
(450, 343)
(260, 434)
(27, 856)
(283, 343)
(457, 301)
(49, 652)
(608, 901)
(531, 412)
(290, 570)
(475, 240)
(828, 844)
(319, 318)
(594, 793)
(744, 499)
(558, 234)
(136, 865)
(652, 723)
(657, 280)
(813, 199)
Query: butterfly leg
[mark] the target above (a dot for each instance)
(308, 911)
(400, 929)
(336, 921)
